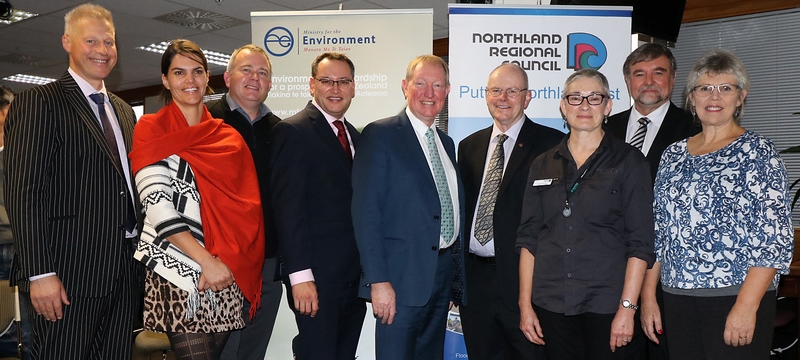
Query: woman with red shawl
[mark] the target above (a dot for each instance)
(203, 235)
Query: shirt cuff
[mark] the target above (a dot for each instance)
(42, 276)
(301, 277)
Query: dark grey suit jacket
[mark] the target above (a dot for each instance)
(678, 125)
(66, 199)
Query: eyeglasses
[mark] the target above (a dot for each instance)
(330, 83)
(592, 99)
(510, 92)
(723, 89)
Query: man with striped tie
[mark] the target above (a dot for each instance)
(650, 125)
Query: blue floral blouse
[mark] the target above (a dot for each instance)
(720, 213)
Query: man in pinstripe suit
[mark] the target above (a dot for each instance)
(71, 203)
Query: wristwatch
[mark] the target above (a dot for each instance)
(628, 304)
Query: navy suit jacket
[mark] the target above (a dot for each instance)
(533, 140)
(311, 196)
(396, 213)
(678, 125)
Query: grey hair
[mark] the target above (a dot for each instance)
(589, 73)
(716, 62)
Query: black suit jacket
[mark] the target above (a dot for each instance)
(678, 125)
(257, 137)
(311, 196)
(533, 140)
(66, 199)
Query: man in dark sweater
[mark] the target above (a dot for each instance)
(249, 78)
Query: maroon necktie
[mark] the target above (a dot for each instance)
(342, 135)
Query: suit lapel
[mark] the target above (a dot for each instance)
(665, 135)
(409, 138)
(354, 134)
(126, 123)
(620, 127)
(324, 130)
(519, 153)
(479, 157)
(75, 99)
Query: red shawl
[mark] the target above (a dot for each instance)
(230, 206)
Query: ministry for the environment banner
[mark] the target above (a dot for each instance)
(380, 43)
(549, 42)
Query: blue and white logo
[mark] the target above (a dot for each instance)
(278, 41)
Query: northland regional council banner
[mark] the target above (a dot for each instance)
(550, 42)
(380, 43)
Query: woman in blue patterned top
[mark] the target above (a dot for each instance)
(723, 226)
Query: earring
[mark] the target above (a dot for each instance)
(737, 112)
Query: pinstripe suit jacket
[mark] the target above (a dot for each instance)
(66, 199)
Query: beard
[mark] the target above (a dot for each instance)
(649, 98)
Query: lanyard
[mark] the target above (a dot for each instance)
(567, 212)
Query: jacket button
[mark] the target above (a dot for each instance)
(434, 248)
(435, 217)
(122, 193)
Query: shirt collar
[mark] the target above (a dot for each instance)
(419, 127)
(263, 109)
(563, 150)
(86, 88)
(512, 133)
(327, 116)
(656, 116)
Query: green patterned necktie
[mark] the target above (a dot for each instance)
(441, 187)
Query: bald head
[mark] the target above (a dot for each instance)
(507, 95)
(513, 70)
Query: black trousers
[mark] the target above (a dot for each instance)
(491, 329)
(640, 347)
(696, 327)
(578, 337)
(251, 342)
(333, 333)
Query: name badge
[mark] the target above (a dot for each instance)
(543, 182)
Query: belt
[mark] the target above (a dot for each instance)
(481, 259)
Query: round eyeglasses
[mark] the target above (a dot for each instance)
(592, 99)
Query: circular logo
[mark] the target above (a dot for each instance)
(278, 41)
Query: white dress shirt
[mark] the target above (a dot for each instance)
(656, 119)
(449, 169)
(475, 246)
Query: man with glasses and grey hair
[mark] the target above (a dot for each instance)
(249, 79)
(494, 164)
(312, 160)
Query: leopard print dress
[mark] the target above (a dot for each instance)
(169, 195)
(165, 308)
